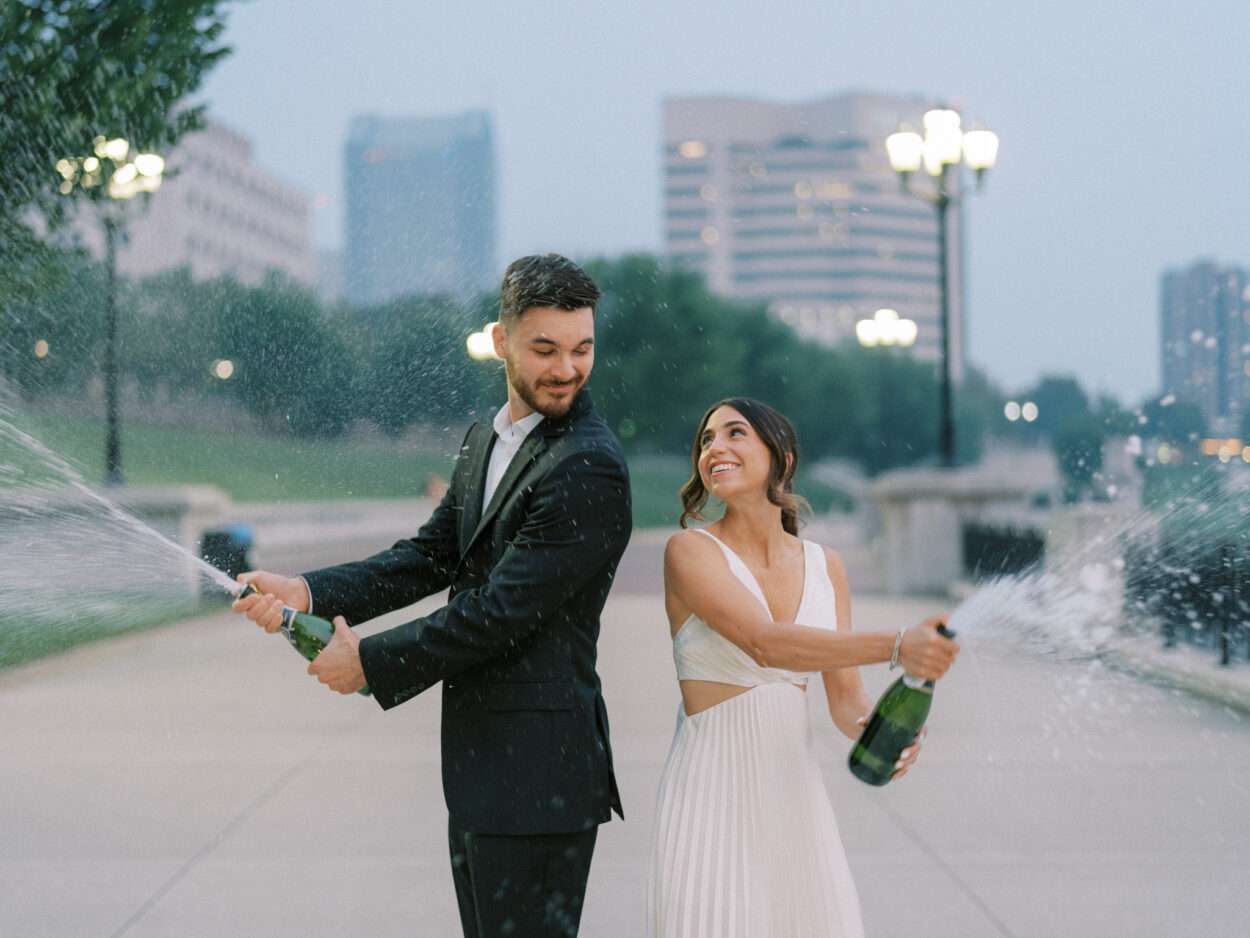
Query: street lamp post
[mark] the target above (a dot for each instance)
(943, 146)
(885, 330)
(111, 175)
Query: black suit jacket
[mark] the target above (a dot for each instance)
(525, 731)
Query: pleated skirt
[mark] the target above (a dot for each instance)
(746, 844)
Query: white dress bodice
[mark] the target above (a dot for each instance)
(703, 654)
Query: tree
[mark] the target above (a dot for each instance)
(293, 369)
(414, 367)
(71, 70)
(1178, 423)
(668, 351)
(49, 345)
(1078, 445)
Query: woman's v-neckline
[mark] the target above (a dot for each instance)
(762, 597)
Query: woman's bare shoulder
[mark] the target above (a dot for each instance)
(687, 543)
(835, 566)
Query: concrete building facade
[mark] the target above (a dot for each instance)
(796, 206)
(216, 213)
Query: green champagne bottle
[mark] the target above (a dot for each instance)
(307, 633)
(898, 717)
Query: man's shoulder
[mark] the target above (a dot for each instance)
(591, 434)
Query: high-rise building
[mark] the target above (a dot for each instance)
(216, 213)
(796, 206)
(1205, 333)
(420, 206)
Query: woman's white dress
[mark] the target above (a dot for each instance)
(746, 844)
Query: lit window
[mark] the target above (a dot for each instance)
(693, 149)
(708, 192)
(709, 235)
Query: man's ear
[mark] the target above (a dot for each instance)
(497, 336)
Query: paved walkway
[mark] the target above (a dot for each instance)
(193, 781)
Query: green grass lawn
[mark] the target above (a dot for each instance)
(25, 639)
(247, 466)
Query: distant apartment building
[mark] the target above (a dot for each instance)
(216, 213)
(1205, 333)
(421, 206)
(796, 206)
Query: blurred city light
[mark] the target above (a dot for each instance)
(693, 149)
(1028, 410)
(481, 345)
(886, 328)
(1012, 411)
(223, 369)
(125, 174)
(116, 149)
(149, 164)
(41, 348)
(980, 149)
(906, 150)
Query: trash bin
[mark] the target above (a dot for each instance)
(229, 549)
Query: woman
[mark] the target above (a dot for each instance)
(746, 843)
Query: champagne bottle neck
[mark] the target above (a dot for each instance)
(917, 683)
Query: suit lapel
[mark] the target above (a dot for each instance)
(530, 450)
(538, 442)
(481, 442)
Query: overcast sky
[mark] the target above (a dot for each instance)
(1125, 130)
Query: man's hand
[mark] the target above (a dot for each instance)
(338, 666)
(275, 592)
(926, 654)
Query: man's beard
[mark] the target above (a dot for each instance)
(529, 394)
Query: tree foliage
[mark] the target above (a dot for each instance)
(74, 69)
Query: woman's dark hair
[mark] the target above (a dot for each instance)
(778, 435)
(544, 280)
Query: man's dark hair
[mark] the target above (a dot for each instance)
(544, 280)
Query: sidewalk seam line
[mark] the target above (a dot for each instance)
(259, 802)
(950, 871)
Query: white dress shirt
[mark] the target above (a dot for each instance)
(511, 436)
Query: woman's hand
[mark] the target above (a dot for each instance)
(926, 654)
(907, 758)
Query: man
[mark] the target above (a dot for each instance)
(527, 537)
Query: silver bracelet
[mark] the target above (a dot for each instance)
(898, 644)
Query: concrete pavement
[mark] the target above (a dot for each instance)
(193, 781)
